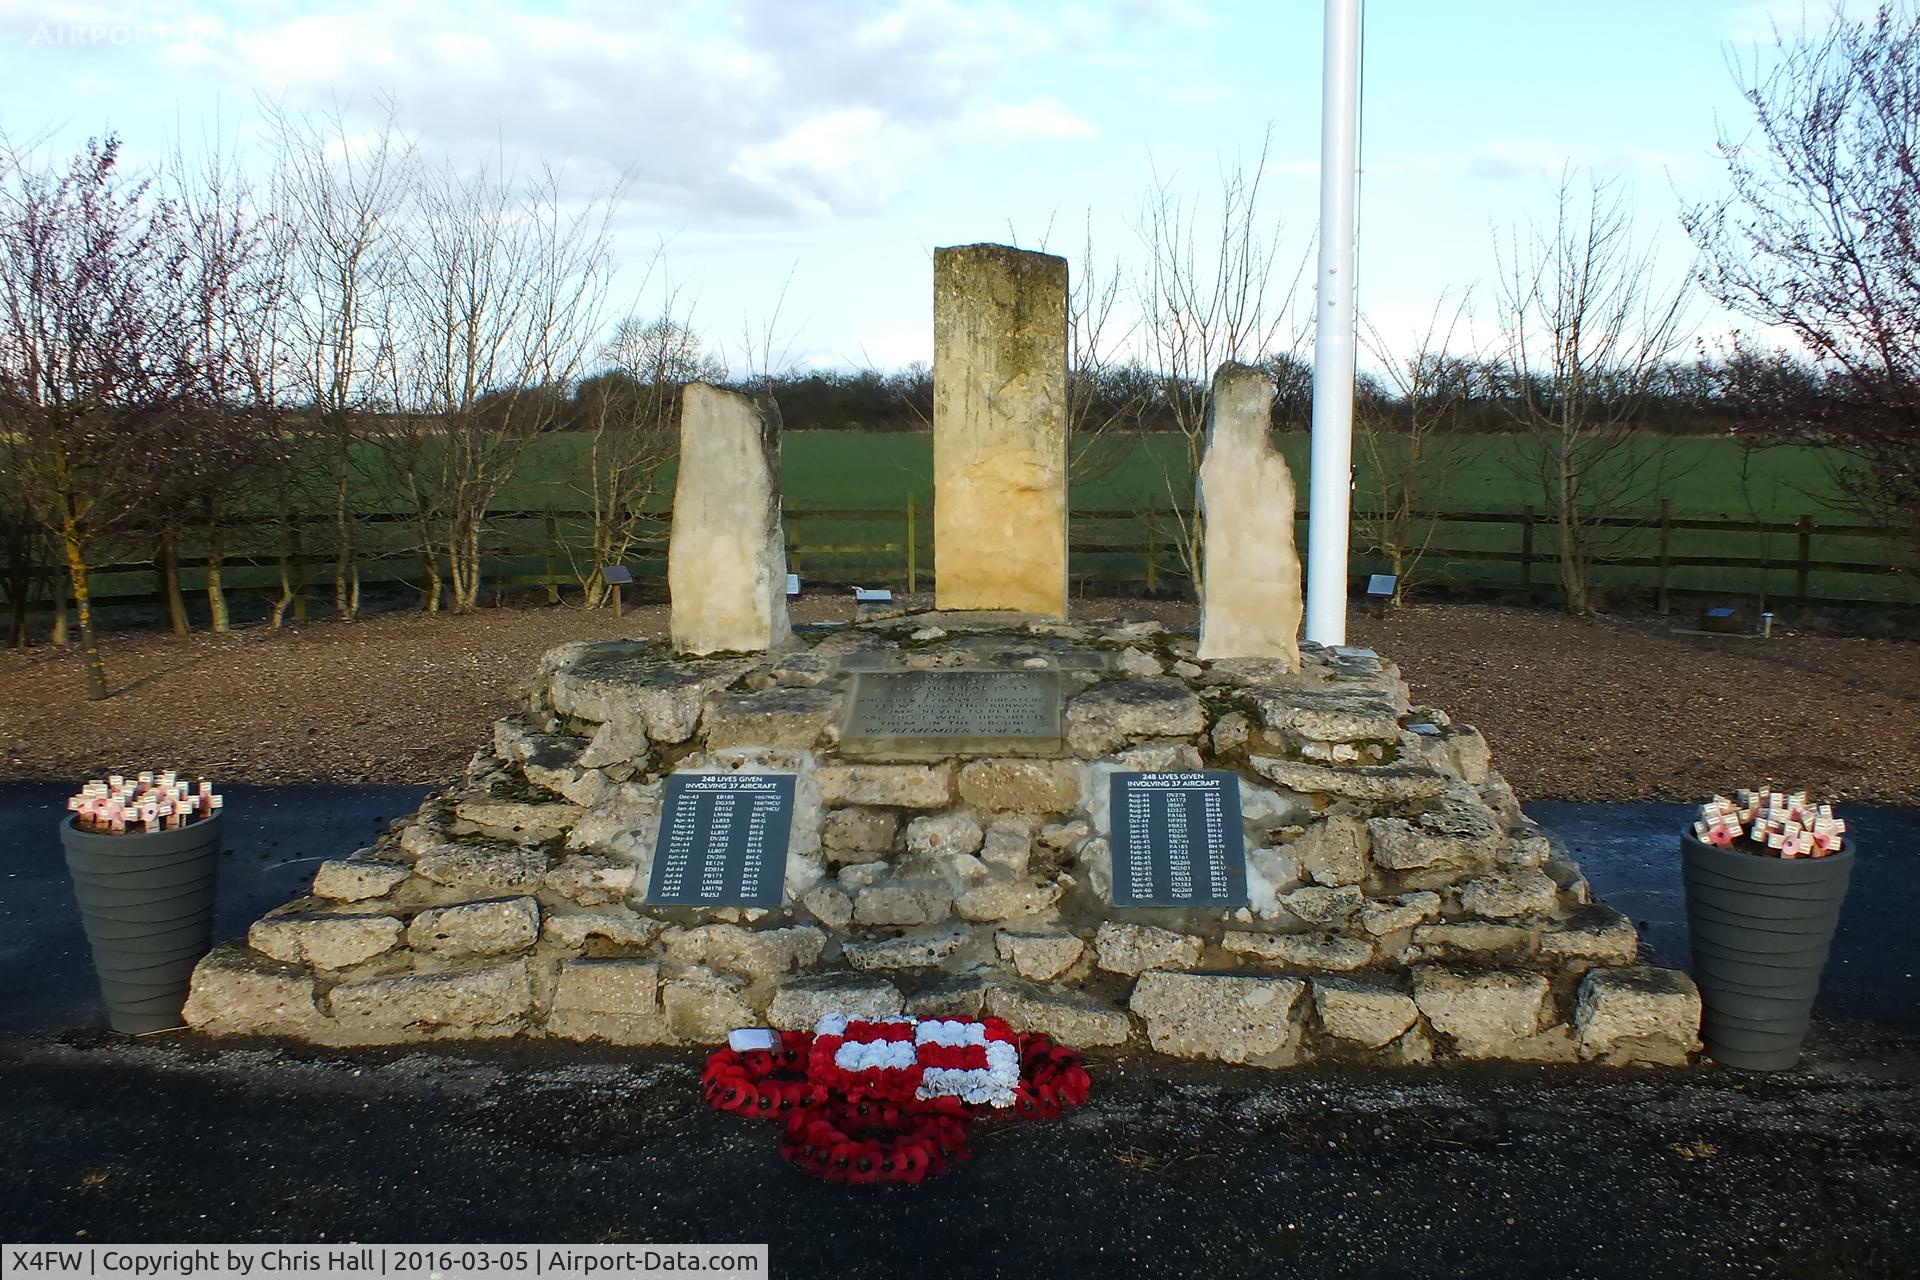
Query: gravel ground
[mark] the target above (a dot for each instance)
(1605, 710)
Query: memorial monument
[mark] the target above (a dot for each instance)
(1257, 851)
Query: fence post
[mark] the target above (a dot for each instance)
(1666, 548)
(1800, 570)
(1526, 551)
(913, 550)
(553, 568)
(298, 570)
(1153, 550)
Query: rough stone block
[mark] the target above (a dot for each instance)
(829, 904)
(324, 941)
(922, 949)
(1390, 915)
(1322, 905)
(1135, 948)
(1596, 934)
(1040, 957)
(1471, 939)
(514, 820)
(803, 1001)
(755, 953)
(476, 928)
(1005, 900)
(1329, 952)
(1068, 1016)
(619, 928)
(1008, 845)
(903, 904)
(702, 1006)
(1640, 1014)
(358, 879)
(1488, 1013)
(964, 995)
(1366, 1014)
(898, 786)
(614, 1000)
(1297, 715)
(1376, 784)
(483, 870)
(946, 833)
(1510, 894)
(1110, 715)
(777, 717)
(1229, 1017)
(858, 834)
(1037, 788)
(727, 558)
(591, 879)
(1000, 429)
(485, 1002)
(1333, 851)
(238, 992)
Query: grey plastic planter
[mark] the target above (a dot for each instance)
(147, 903)
(1761, 929)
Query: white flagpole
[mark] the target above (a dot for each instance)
(1330, 494)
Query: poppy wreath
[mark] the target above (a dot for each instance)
(890, 1099)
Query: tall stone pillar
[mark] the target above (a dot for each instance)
(1000, 429)
(1250, 573)
(727, 559)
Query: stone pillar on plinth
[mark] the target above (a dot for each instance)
(1000, 429)
(1250, 573)
(727, 560)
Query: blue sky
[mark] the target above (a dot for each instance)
(824, 149)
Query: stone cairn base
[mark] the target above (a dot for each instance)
(1402, 909)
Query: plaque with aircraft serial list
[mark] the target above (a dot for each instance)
(1177, 840)
(722, 840)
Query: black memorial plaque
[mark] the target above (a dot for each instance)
(722, 841)
(1177, 840)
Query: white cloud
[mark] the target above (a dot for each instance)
(1042, 118)
(1505, 159)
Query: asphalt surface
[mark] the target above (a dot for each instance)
(1172, 1169)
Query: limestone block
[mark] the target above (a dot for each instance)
(1040, 956)
(1005, 900)
(324, 941)
(238, 992)
(624, 821)
(549, 761)
(357, 879)
(1135, 662)
(898, 786)
(1112, 714)
(1488, 1013)
(1070, 1017)
(1379, 784)
(1390, 915)
(514, 820)
(1333, 851)
(1520, 850)
(1471, 939)
(614, 1000)
(1230, 732)
(1096, 866)
(1061, 837)
(903, 904)
(829, 904)
(754, 953)
(484, 1002)
(863, 875)
(1640, 1014)
(964, 995)
(1250, 601)
(1459, 836)
(858, 834)
(1228, 1017)
(702, 1006)
(1135, 948)
(590, 879)
(1037, 788)
(615, 928)
(1324, 905)
(1297, 715)
(1510, 894)
(1362, 1013)
(1329, 952)
(803, 1001)
(482, 869)
(650, 698)
(476, 928)
(1000, 429)
(921, 949)
(776, 717)
(1008, 845)
(1271, 873)
(727, 559)
(1596, 934)
(1160, 757)
(944, 834)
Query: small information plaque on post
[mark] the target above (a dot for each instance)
(722, 840)
(1177, 840)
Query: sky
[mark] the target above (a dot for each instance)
(800, 160)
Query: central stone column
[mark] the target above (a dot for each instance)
(1000, 429)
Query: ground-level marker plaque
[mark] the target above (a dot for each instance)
(722, 841)
(1177, 840)
(943, 713)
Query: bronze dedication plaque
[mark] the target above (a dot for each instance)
(933, 714)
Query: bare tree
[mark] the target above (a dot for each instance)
(91, 314)
(1819, 241)
(501, 297)
(1410, 445)
(1207, 294)
(1586, 333)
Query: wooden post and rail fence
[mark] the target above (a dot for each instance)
(1114, 552)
